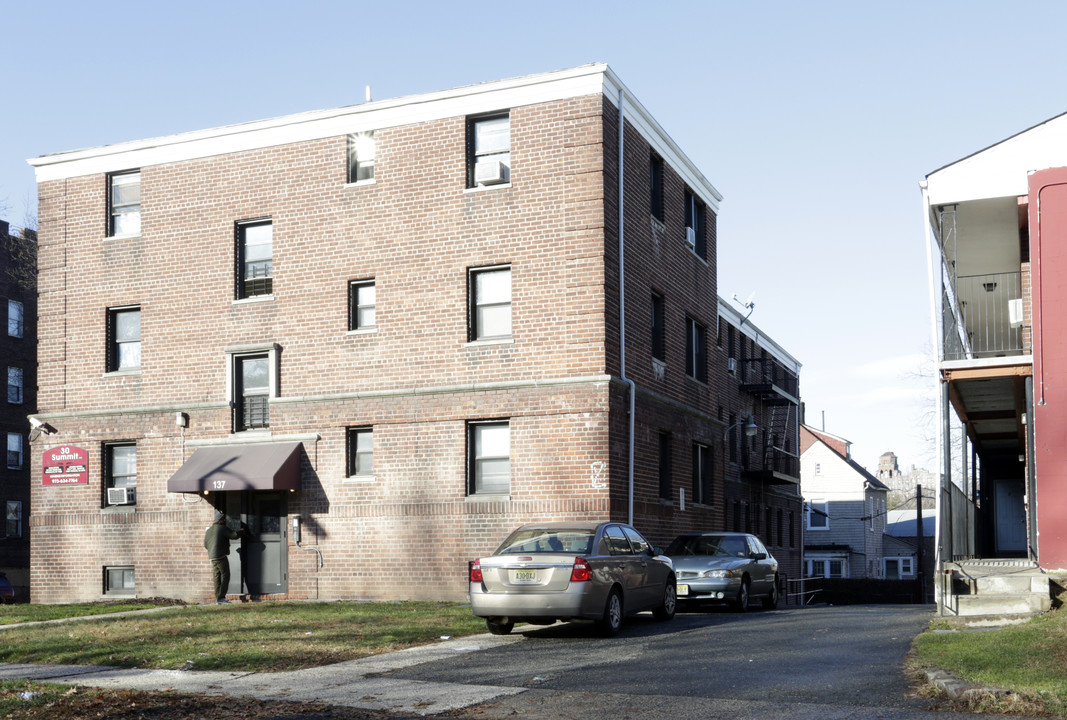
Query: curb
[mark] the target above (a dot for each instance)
(957, 688)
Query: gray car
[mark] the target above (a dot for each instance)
(724, 568)
(584, 572)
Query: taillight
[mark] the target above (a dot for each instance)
(580, 572)
(476, 571)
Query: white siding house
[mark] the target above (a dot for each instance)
(845, 510)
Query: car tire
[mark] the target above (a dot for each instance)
(670, 602)
(741, 602)
(499, 628)
(770, 602)
(611, 623)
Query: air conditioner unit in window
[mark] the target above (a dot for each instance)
(119, 496)
(731, 365)
(1015, 312)
(691, 237)
(491, 172)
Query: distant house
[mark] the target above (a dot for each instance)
(845, 510)
(902, 558)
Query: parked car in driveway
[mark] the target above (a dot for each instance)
(724, 568)
(584, 572)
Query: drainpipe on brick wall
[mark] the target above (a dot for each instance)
(622, 321)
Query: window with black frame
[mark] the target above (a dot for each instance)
(255, 266)
(252, 396)
(360, 453)
(124, 339)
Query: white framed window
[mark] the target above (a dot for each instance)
(361, 453)
(251, 382)
(488, 150)
(124, 339)
(898, 568)
(14, 451)
(826, 567)
(490, 303)
(14, 386)
(818, 515)
(361, 153)
(362, 305)
(13, 519)
(124, 200)
(489, 447)
(15, 318)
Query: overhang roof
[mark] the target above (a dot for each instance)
(225, 468)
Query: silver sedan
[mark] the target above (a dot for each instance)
(585, 572)
(724, 568)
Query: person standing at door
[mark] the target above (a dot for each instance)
(217, 541)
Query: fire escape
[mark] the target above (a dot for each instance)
(775, 392)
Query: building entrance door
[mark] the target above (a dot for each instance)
(1011, 519)
(259, 561)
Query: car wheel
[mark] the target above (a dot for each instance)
(670, 603)
(771, 601)
(741, 603)
(612, 620)
(499, 628)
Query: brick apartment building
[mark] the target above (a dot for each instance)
(18, 348)
(384, 335)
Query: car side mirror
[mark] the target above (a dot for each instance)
(655, 551)
(759, 556)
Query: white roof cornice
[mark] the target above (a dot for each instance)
(472, 99)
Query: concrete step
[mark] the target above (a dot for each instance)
(1003, 604)
(1011, 584)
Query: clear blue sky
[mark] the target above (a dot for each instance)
(816, 120)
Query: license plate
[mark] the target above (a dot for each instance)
(683, 589)
(525, 576)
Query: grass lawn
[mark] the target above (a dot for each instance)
(255, 636)
(24, 612)
(1028, 659)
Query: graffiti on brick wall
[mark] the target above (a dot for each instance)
(597, 479)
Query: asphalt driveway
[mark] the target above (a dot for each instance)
(822, 660)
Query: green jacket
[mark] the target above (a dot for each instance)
(217, 541)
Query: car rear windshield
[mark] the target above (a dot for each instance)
(545, 540)
(705, 545)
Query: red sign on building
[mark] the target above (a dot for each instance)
(65, 465)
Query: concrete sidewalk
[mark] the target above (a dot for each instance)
(351, 684)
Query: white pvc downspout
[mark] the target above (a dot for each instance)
(622, 322)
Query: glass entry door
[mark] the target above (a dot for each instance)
(258, 561)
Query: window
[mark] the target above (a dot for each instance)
(361, 157)
(768, 527)
(826, 567)
(737, 516)
(731, 437)
(13, 519)
(361, 453)
(489, 445)
(778, 528)
(488, 150)
(659, 331)
(490, 313)
(15, 318)
(120, 474)
(639, 545)
(124, 339)
(118, 581)
(702, 474)
(792, 529)
(14, 385)
(14, 451)
(696, 350)
(255, 248)
(896, 568)
(125, 204)
(818, 517)
(655, 170)
(361, 305)
(694, 224)
(252, 392)
(665, 466)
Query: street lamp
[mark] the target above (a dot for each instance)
(750, 428)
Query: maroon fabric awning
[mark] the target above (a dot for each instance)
(225, 468)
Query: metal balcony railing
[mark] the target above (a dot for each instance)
(984, 316)
(768, 371)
